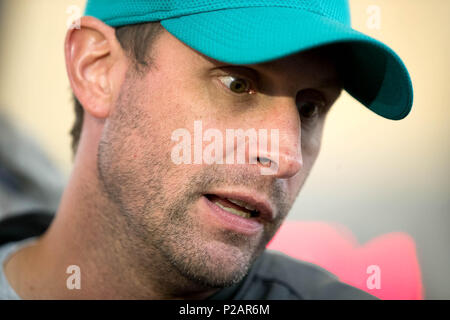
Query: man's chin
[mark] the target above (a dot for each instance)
(217, 265)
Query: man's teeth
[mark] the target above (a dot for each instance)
(234, 211)
(242, 204)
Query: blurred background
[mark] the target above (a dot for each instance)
(374, 176)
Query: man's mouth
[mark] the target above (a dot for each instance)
(245, 204)
(234, 206)
(241, 211)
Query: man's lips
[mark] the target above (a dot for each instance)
(236, 206)
(251, 202)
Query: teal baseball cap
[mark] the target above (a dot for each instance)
(257, 31)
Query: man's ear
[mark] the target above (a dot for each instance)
(95, 65)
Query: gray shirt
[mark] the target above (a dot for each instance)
(6, 292)
(274, 275)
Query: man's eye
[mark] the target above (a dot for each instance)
(309, 109)
(310, 104)
(236, 85)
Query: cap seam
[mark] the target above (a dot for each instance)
(203, 9)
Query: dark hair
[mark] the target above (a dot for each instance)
(136, 40)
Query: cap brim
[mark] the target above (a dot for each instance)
(372, 73)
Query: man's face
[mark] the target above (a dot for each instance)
(177, 209)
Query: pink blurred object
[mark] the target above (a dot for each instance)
(333, 247)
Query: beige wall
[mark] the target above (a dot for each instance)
(371, 170)
(33, 85)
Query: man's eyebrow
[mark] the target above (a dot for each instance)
(329, 82)
(323, 82)
(243, 70)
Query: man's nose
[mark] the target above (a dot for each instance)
(283, 159)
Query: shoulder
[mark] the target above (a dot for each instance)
(278, 276)
(6, 250)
